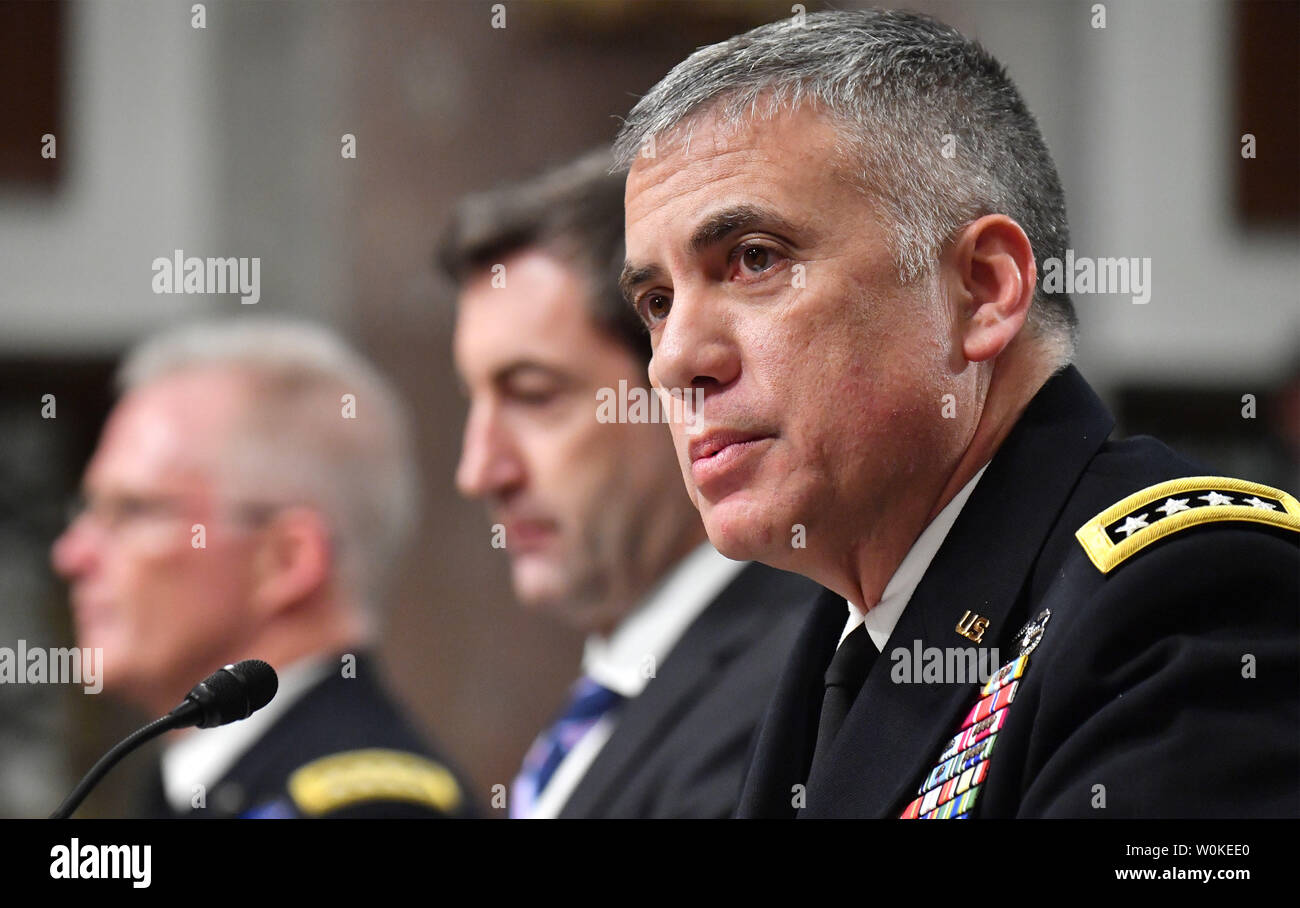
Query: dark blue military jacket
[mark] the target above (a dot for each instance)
(344, 749)
(1159, 623)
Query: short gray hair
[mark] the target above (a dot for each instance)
(291, 443)
(898, 86)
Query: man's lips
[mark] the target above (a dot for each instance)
(713, 442)
(720, 457)
(527, 534)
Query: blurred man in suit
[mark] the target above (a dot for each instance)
(250, 490)
(683, 646)
(840, 230)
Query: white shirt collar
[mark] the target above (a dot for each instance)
(203, 755)
(627, 659)
(881, 619)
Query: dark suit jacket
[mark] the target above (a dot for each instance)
(1135, 702)
(680, 748)
(349, 717)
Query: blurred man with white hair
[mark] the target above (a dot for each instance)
(250, 488)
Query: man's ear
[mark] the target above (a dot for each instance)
(294, 559)
(992, 270)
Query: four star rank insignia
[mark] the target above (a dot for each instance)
(1150, 515)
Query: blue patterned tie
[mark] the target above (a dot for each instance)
(588, 702)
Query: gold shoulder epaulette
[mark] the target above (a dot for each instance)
(342, 779)
(1144, 517)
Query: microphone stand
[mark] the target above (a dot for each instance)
(177, 718)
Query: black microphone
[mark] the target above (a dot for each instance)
(227, 695)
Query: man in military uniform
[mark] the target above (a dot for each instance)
(834, 229)
(683, 646)
(249, 489)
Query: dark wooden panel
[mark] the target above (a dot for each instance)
(32, 69)
(1268, 107)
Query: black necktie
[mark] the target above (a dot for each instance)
(844, 677)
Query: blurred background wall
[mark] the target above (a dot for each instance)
(225, 141)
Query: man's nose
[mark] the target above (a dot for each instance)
(489, 462)
(74, 552)
(696, 349)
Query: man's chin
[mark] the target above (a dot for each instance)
(560, 593)
(740, 530)
(112, 657)
(539, 584)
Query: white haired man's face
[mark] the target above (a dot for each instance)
(767, 281)
(593, 512)
(167, 604)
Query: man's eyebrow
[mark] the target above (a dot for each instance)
(713, 230)
(717, 227)
(524, 367)
(633, 277)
